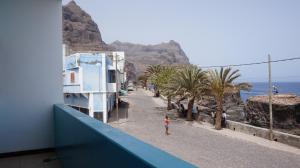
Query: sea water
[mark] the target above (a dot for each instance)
(262, 88)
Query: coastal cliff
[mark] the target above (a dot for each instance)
(142, 56)
(81, 33)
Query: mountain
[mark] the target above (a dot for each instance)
(80, 32)
(141, 56)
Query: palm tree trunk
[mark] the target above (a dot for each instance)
(169, 103)
(219, 113)
(190, 108)
(145, 84)
(156, 91)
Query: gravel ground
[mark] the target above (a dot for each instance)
(199, 144)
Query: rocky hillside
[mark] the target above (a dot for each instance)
(143, 55)
(81, 33)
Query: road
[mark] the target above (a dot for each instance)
(201, 146)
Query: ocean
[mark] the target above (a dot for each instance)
(262, 88)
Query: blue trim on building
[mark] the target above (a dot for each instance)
(82, 141)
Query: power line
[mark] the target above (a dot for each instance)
(248, 64)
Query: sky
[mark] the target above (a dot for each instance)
(211, 32)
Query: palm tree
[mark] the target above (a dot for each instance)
(151, 71)
(219, 83)
(143, 80)
(161, 80)
(190, 82)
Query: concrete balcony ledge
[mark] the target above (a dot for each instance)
(111, 87)
(82, 141)
(111, 67)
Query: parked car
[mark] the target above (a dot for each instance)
(130, 88)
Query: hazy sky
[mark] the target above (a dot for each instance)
(211, 32)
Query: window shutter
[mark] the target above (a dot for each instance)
(72, 77)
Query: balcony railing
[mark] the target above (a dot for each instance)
(82, 141)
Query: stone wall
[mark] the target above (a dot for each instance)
(281, 137)
(289, 139)
(286, 111)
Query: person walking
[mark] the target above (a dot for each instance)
(182, 110)
(213, 116)
(166, 123)
(223, 121)
(195, 112)
(275, 90)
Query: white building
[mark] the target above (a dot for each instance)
(91, 82)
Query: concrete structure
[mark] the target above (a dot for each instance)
(120, 56)
(90, 82)
(282, 137)
(30, 73)
(285, 138)
(95, 144)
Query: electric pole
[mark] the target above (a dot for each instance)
(117, 91)
(270, 98)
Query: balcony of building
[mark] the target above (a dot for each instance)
(36, 133)
(82, 141)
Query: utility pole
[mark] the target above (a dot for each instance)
(270, 98)
(117, 91)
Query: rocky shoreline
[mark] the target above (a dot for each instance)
(255, 111)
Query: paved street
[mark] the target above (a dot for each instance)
(200, 144)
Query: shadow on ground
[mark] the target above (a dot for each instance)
(122, 114)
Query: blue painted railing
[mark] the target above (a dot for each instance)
(82, 141)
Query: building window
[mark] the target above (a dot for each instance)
(72, 77)
(67, 95)
(111, 76)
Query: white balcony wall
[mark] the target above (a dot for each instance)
(72, 89)
(111, 87)
(30, 73)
